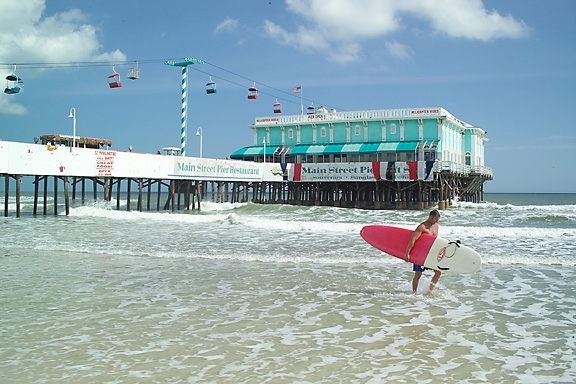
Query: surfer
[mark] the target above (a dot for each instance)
(429, 226)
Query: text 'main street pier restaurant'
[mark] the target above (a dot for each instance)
(389, 158)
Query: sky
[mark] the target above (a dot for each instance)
(507, 66)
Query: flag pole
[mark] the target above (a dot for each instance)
(298, 89)
(301, 104)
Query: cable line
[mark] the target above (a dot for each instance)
(288, 96)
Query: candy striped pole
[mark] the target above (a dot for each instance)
(183, 126)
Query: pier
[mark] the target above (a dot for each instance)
(63, 177)
(408, 158)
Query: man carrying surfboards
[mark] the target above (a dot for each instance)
(429, 226)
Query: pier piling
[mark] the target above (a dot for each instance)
(187, 194)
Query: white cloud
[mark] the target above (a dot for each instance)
(337, 27)
(30, 36)
(466, 19)
(401, 51)
(9, 107)
(228, 25)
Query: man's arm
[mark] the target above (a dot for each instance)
(415, 236)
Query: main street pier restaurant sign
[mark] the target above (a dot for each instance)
(213, 169)
(331, 172)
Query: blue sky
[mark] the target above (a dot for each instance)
(507, 66)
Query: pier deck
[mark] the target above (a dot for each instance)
(144, 181)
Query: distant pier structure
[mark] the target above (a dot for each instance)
(66, 176)
(377, 159)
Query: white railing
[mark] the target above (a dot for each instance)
(377, 114)
(453, 167)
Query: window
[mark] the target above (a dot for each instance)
(323, 132)
(393, 128)
(290, 133)
(433, 154)
(357, 130)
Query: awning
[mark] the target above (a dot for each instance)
(333, 149)
(316, 150)
(427, 145)
(254, 151)
(299, 150)
(351, 148)
(369, 148)
(246, 151)
(387, 147)
(328, 149)
(271, 149)
(405, 146)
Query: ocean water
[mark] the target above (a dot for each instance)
(246, 293)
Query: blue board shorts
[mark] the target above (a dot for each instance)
(419, 268)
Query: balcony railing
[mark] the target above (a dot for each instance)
(449, 166)
(376, 114)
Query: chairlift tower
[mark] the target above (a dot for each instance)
(184, 64)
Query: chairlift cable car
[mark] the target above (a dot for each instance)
(210, 86)
(114, 79)
(13, 83)
(134, 73)
(253, 92)
(277, 107)
(310, 110)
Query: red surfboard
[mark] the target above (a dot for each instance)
(430, 251)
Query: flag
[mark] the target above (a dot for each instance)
(294, 172)
(297, 89)
(402, 171)
(429, 175)
(413, 170)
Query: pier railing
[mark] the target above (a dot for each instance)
(359, 184)
(375, 114)
(452, 167)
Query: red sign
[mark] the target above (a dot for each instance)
(104, 162)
